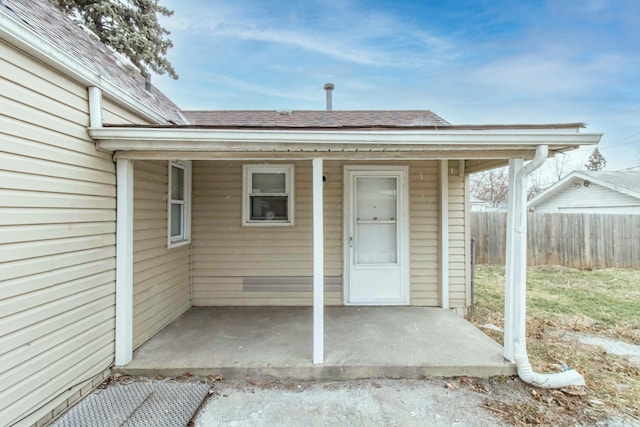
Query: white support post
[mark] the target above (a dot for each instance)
(515, 301)
(444, 233)
(124, 262)
(520, 261)
(515, 166)
(318, 264)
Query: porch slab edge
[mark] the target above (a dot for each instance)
(328, 373)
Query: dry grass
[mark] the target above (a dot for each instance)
(605, 303)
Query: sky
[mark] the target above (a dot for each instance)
(469, 61)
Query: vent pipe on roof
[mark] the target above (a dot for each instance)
(328, 87)
(147, 82)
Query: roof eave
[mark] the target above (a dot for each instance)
(24, 39)
(181, 139)
(123, 136)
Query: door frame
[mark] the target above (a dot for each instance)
(403, 235)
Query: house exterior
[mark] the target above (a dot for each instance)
(58, 215)
(121, 211)
(592, 192)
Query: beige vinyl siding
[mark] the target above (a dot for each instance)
(458, 252)
(57, 242)
(113, 113)
(424, 211)
(161, 276)
(224, 252)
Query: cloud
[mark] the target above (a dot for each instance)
(543, 74)
(329, 46)
(259, 89)
(343, 32)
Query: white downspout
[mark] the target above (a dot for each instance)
(519, 275)
(95, 107)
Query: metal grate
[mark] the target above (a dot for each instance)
(156, 403)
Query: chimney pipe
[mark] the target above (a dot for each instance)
(147, 82)
(328, 87)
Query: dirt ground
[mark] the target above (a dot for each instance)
(500, 401)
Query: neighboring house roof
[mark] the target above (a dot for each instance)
(55, 29)
(625, 182)
(622, 180)
(317, 119)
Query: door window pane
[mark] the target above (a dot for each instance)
(376, 199)
(376, 244)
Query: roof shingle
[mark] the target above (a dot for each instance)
(626, 179)
(316, 119)
(58, 30)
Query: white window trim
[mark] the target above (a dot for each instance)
(288, 170)
(185, 238)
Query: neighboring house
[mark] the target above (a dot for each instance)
(477, 205)
(592, 192)
(120, 212)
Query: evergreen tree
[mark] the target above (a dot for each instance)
(596, 161)
(130, 27)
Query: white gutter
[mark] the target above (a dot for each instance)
(518, 275)
(24, 39)
(189, 139)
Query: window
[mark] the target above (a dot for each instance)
(267, 195)
(179, 196)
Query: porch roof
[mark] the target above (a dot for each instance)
(485, 146)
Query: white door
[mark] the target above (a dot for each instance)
(376, 236)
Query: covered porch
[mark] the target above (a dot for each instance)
(430, 168)
(360, 342)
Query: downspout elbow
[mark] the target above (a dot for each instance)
(542, 152)
(558, 380)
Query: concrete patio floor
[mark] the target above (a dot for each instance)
(360, 342)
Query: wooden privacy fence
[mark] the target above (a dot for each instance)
(572, 240)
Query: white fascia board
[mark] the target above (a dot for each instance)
(563, 183)
(24, 39)
(183, 139)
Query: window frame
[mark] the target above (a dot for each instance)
(247, 193)
(185, 224)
